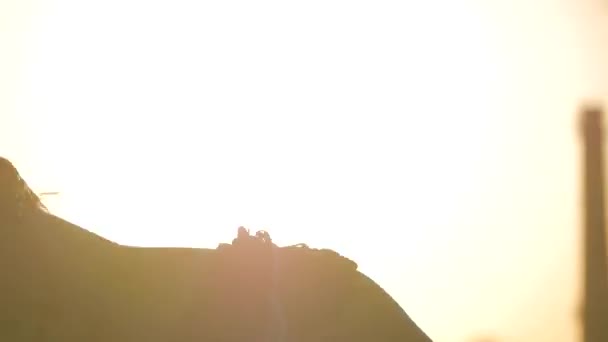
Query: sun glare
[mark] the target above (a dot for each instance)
(426, 137)
(222, 117)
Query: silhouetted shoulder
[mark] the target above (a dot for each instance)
(328, 295)
(62, 228)
(389, 321)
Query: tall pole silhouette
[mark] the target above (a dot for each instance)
(595, 310)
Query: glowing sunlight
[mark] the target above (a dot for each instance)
(394, 134)
(221, 118)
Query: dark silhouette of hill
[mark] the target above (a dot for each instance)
(63, 283)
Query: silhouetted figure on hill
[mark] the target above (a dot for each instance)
(264, 237)
(243, 237)
(252, 243)
(255, 248)
(243, 233)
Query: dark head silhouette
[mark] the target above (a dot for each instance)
(16, 197)
(61, 282)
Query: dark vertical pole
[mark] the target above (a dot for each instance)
(595, 326)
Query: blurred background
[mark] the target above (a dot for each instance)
(436, 144)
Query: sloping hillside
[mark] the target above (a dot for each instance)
(64, 283)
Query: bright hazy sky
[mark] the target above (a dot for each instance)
(434, 142)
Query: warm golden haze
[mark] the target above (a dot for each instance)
(440, 137)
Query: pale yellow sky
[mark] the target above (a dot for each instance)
(433, 143)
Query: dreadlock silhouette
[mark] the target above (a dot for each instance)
(16, 198)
